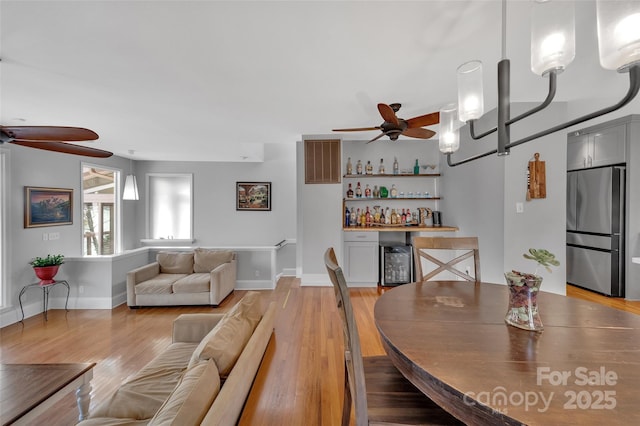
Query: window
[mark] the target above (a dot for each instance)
(169, 206)
(100, 227)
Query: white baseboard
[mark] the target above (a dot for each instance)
(254, 285)
(288, 272)
(315, 280)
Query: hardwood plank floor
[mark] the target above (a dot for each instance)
(300, 382)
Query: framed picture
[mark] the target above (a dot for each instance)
(254, 196)
(47, 206)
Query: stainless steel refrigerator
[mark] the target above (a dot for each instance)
(595, 229)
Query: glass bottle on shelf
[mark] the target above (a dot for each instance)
(394, 191)
(359, 167)
(350, 192)
(347, 217)
(358, 191)
(383, 219)
(381, 167)
(353, 220)
(367, 217)
(376, 214)
(387, 216)
(403, 217)
(396, 167)
(376, 191)
(416, 168)
(358, 217)
(368, 168)
(349, 166)
(367, 191)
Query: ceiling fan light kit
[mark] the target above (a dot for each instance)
(552, 50)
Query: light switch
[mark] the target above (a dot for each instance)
(519, 208)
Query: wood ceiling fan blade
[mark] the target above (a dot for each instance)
(49, 133)
(388, 114)
(424, 120)
(419, 133)
(65, 148)
(377, 137)
(357, 129)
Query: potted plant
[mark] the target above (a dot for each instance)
(47, 267)
(523, 291)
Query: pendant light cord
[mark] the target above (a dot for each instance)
(504, 29)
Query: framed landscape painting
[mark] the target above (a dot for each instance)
(47, 206)
(253, 196)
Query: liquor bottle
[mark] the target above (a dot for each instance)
(347, 217)
(383, 219)
(350, 192)
(358, 191)
(396, 168)
(367, 217)
(376, 192)
(381, 167)
(376, 214)
(387, 216)
(358, 217)
(352, 221)
(359, 167)
(394, 191)
(368, 168)
(363, 219)
(394, 217)
(408, 216)
(416, 168)
(367, 191)
(349, 166)
(403, 217)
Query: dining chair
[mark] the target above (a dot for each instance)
(446, 254)
(377, 391)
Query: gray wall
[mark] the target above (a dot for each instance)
(216, 221)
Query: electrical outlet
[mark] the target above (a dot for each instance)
(80, 289)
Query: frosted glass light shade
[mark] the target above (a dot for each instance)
(449, 137)
(470, 92)
(553, 35)
(618, 33)
(130, 188)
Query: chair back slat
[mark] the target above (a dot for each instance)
(425, 249)
(353, 354)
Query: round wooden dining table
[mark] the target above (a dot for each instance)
(449, 339)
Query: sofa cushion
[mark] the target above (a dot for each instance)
(175, 262)
(160, 284)
(112, 421)
(225, 342)
(191, 399)
(141, 396)
(192, 283)
(208, 260)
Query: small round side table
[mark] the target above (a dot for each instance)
(45, 295)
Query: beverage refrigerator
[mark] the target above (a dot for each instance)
(396, 265)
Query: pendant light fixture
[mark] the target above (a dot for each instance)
(552, 50)
(130, 184)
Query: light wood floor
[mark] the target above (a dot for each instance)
(299, 383)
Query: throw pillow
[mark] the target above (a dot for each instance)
(208, 260)
(226, 341)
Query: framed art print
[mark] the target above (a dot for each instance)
(253, 196)
(47, 206)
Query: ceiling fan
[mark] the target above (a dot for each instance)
(394, 126)
(53, 138)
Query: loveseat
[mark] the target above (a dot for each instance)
(202, 378)
(200, 277)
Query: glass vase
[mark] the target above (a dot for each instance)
(523, 301)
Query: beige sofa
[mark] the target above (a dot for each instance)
(201, 277)
(202, 378)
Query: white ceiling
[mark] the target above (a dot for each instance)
(214, 80)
